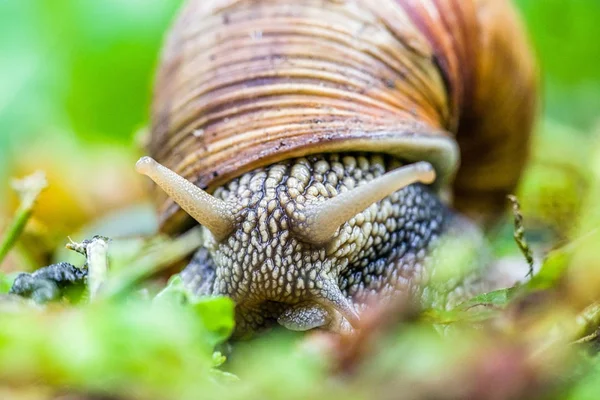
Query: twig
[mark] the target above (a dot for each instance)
(97, 259)
(76, 247)
(587, 339)
(28, 188)
(519, 234)
(96, 253)
(578, 330)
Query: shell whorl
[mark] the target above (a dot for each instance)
(246, 83)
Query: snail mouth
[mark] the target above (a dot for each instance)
(327, 308)
(307, 316)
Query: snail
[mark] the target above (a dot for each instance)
(328, 146)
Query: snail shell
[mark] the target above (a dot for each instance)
(244, 84)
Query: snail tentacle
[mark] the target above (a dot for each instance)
(331, 296)
(322, 220)
(214, 214)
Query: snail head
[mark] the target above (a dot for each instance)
(284, 236)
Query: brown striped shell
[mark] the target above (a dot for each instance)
(246, 83)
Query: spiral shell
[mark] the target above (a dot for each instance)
(246, 83)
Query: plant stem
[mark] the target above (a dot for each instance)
(519, 234)
(587, 321)
(28, 188)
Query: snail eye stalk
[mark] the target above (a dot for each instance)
(214, 214)
(322, 220)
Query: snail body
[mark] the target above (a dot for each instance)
(329, 133)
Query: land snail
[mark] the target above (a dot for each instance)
(328, 146)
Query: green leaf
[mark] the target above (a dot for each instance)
(552, 270)
(217, 314)
(174, 293)
(152, 350)
(223, 376)
(220, 376)
(218, 359)
(478, 308)
(498, 299)
(557, 261)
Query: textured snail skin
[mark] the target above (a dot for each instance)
(273, 276)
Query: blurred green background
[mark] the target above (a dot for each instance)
(76, 75)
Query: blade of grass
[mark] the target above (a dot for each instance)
(28, 188)
(156, 258)
(587, 321)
